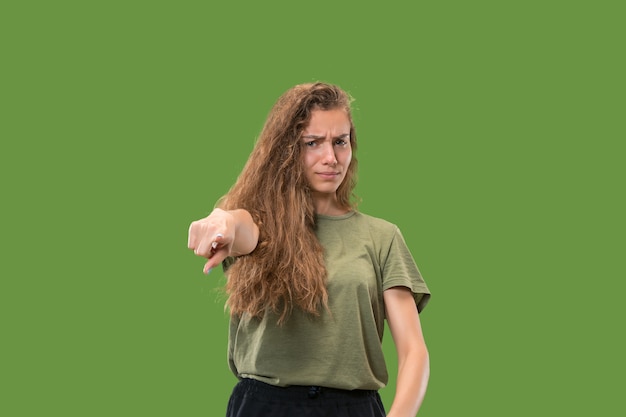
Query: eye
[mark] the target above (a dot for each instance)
(341, 142)
(310, 143)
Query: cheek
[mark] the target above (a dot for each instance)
(308, 161)
(347, 157)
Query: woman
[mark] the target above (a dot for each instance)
(311, 279)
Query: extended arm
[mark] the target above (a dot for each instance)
(222, 234)
(413, 361)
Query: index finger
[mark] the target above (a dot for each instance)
(217, 258)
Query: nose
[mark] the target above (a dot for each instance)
(329, 155)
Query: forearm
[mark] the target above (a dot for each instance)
(413, 374)
(246, 233)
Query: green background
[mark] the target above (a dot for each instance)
(490, 132)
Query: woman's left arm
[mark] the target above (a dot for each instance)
(413, 361)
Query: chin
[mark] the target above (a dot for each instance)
(325, 190)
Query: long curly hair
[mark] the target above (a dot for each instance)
(286, 269)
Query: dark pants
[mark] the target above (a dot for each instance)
(251, 398)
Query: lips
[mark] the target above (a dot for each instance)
(328, 174)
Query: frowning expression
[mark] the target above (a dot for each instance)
(327, 150)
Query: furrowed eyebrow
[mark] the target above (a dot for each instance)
(316, 137)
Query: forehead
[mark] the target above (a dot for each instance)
(323, 121)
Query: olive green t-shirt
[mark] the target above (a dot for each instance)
(342, 348)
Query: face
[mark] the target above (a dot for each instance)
(327, 151)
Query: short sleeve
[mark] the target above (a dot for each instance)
(400, 270)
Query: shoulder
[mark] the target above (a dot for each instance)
(380, 231)
(375, 223)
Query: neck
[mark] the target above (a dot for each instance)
(327, 204)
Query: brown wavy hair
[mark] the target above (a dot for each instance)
(286, 269)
